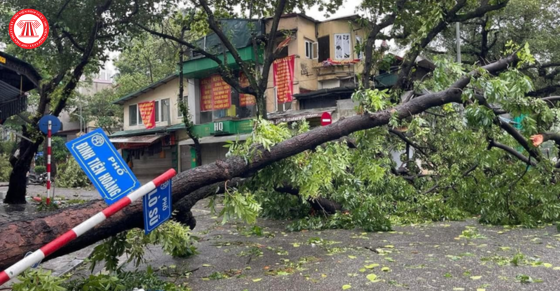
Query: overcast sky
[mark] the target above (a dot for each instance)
(348, 8)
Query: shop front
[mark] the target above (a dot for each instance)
(149, 155)
(213, 137)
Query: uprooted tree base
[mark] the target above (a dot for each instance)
(19, 237)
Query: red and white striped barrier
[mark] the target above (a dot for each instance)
(82, 228)
(49, 135)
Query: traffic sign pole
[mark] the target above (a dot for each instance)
(49, 134)
(82, 228)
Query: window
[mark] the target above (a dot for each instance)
(342, 48)
(324, 48)
(311, 49)
(161, 110)
(164, 110)
(157, 111)
(359, 47)
(134, 117)
(315, 50)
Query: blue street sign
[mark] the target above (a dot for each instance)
(103, 165)
(157, 207)
(44, 124)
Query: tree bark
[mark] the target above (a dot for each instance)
(20, 166)
(318, 204)
(19, 237)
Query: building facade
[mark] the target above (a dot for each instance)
(317, 72)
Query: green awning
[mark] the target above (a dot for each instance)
(137, 132)
(152, 86)
(177, 127)
(203, 67)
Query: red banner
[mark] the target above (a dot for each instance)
(206, 94)
(283, 72)
(245, 99)
(148, 114)
(221, 93)
(215, 94)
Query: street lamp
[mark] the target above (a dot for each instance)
(82, 121)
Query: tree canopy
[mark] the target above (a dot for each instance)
(81, 35)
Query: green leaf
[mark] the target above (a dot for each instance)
(371, 266)
(346, 287)
(372, 278)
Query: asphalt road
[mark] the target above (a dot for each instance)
(436, 256)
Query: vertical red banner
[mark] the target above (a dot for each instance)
(245, 99)
(215, 94)
(206, 94)
(283, 72)
(148, 114)
(221, 93)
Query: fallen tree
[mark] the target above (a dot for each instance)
(19, 237)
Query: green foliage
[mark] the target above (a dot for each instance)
(40, 169)
(459, 177)
(7, 147)
(5, 168)
(99, 108)
(174, 238)
(240, 205)
(124, 281)
(372, 99)
(516, 28)
(39, 280)
(59, 151)
(43, 206)
(70, 175)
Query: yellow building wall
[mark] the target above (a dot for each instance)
(166, 91)
(333, 27)
(305, 76)
(305, 72)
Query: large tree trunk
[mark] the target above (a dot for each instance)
(19, 237)
(20, 166)
(17, 189)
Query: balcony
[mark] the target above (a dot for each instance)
(329, 69)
